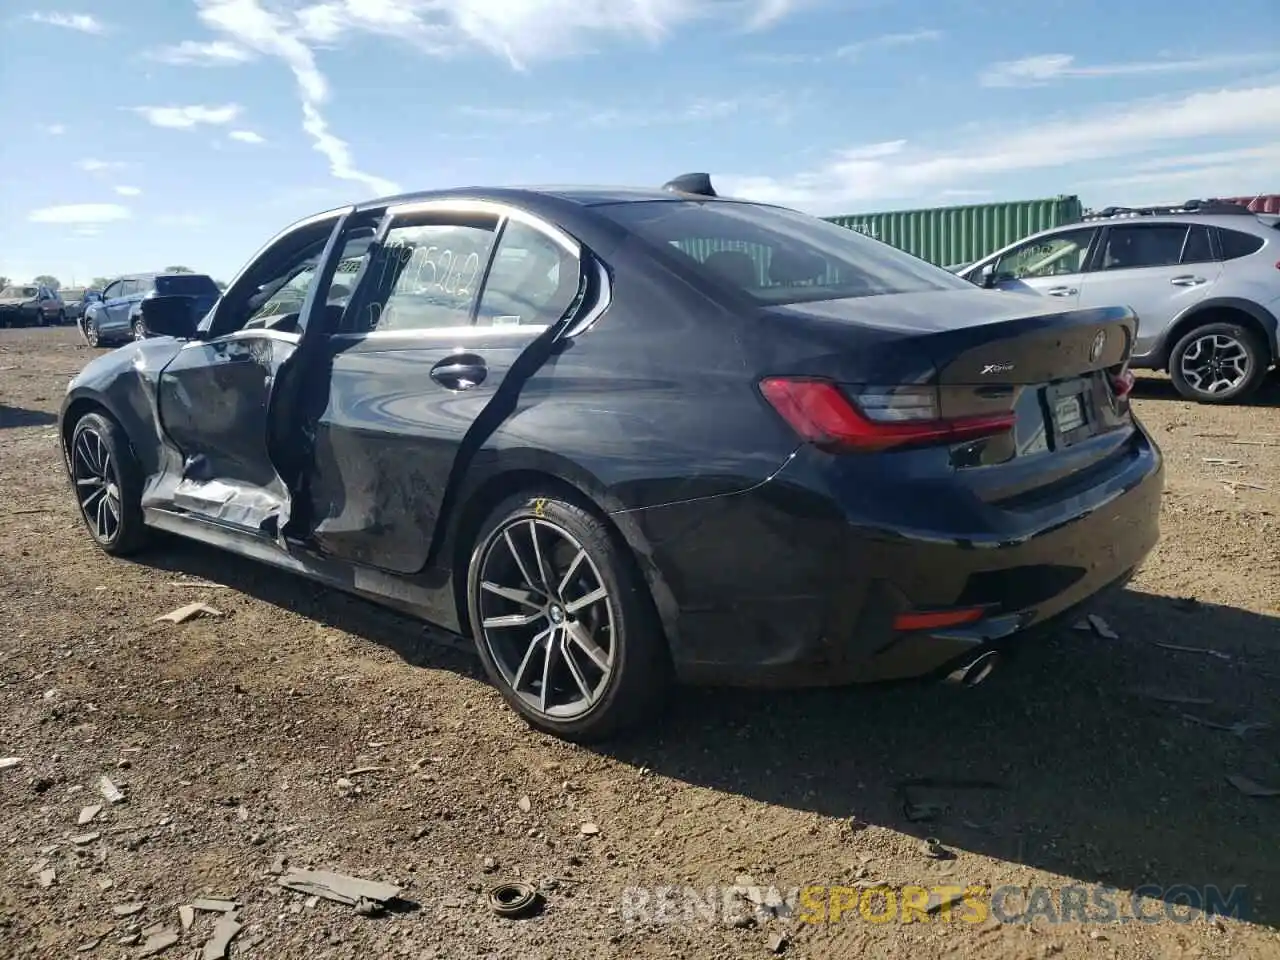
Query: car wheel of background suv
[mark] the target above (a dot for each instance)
(91, 332)
(1218, 362)
(139, 331)
(563, 620)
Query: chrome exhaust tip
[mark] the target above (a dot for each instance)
(975, 671)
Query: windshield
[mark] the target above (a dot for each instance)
(72, 293)
(778, 256)
(188, 284)
(14, 293)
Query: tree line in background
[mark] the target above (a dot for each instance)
(98, 283)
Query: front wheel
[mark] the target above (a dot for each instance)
(139, 331)
(1218, 363)
(91, 335)
(62, 318)
(108, 484)
(563, 621)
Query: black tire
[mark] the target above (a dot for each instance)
(1235, 340)
(639, 673)
(139, 331)
(95, 435)
(62, 318)
(91, 334)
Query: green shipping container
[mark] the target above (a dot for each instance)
(947, 236)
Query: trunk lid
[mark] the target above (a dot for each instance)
(986, 353)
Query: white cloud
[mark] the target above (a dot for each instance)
(126, 191)
(1046, 68)
(55, 129)
(899, 169)
(852, 50)
(247, 136)
(98, 166)
(80, 213)
(519, 31)
(187, 117)
(84, 22)
(194, 53)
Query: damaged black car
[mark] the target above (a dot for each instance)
(628, 439)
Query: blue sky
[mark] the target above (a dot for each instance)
(145, 133)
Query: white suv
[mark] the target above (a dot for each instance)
(1203, 278)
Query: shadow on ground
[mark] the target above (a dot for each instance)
(1101, 777)
(1154, 387)
(21, 417)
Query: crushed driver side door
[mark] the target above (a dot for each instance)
(218, 396)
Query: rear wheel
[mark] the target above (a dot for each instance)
(563, 621)
(1219, 362)
(108, 484)
(62, 317)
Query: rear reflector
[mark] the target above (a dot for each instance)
(937, 619)
(883, 417)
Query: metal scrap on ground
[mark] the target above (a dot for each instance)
(338, 887)
(183, 614)
(7, 762)
(224, 931)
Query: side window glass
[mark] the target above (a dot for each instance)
(279, 301)
(112, 291)
(127, 288)
(1236, 244)
(1197, 248)
(1144, 246)
(1054, 256)
(424, 277)
(532, 282)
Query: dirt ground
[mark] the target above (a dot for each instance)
(234, 740)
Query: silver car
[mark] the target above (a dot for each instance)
(1204, 280)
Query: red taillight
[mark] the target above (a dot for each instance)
(819, 411)
(1122, 383)
(938, 619)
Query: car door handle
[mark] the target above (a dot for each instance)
(1187, 280)
(1062, 291)
(460, 372)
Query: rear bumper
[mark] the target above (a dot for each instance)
(780, 587)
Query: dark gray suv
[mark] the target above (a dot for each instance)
(117, 316)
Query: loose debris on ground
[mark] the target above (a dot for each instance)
(245, 770)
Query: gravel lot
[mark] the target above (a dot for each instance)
(234, 738)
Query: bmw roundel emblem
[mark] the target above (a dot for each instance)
(1099, 342)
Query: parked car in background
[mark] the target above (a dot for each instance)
(1203, 278)
(30, 305)
(616, 435)
(117, 318)
(75, 299)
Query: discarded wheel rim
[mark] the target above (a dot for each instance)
(513, 899)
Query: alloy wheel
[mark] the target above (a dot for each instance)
(1215, 363)
(91, 332)
(139, 331)
(97, 484)
(546, 618)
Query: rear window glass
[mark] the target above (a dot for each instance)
(187, 284)
(778, 256)
(1237, 244)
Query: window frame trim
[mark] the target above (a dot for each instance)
(504, 212)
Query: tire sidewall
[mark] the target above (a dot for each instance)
(1243, 335)
(629, 612)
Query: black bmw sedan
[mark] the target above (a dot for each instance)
(629, 438)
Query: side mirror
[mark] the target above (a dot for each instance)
(170, 317)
